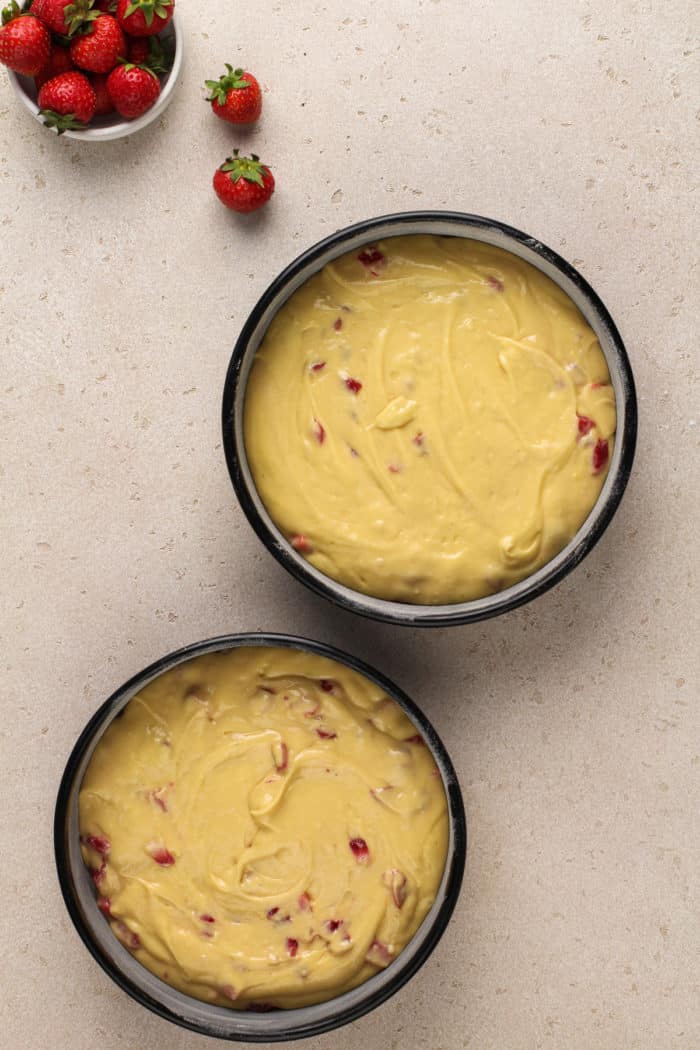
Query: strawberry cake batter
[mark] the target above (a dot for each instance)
(264, 828)
(429, 420)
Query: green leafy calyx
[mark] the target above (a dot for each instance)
(234, 80)
(79, 14)
(248, 168)
(61, 121)
(11, 11)
(149, 9)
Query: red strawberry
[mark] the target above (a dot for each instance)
(148, 51)
(24, 42)
(144, 17)
(138, 50)
(59, 62)
(243, 183)
(100, 47)
(236, 96)
(132, 89)
(103, 106)
(67, 101)
(64, 17)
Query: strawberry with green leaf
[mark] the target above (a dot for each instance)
(67, 102)
(144, 17)
(132, 89)
(100, 46)
(59, 62)
(148, 51)
(25, 43)
(243, 184)
(65, 17)
(235, 96)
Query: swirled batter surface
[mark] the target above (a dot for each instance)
(264, 828)
(429, 420)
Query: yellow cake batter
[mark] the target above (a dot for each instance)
(264, 828)
(429, 420)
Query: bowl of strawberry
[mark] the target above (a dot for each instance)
(92, 69)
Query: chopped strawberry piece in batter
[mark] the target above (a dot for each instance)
(292, 946)
(207, 918)
(326, 734)
(373, 259)
(319, 431)
(280, 755)
(397, 882)
(338, 323)
(127, 936)
(105, 906)
(600, 455)
(353, 384)
(585, 425)
(327, 685)
(333, 924)
(495, 282)
(229, 992)
(305, 902)
(317, 366)
(160, 855)
(100, 844)
(379, 953)
(360, 850)
(301, 544)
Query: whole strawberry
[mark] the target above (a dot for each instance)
(103, 103)
(148, 51)
(64, 17)
(24, 42)
(144, 17)
(243, 183)
(59, 62)
(132, 89)
(236, 96)
(100, 47)
(67, 101)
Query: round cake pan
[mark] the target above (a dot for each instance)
(245, 1025)
(452, 224)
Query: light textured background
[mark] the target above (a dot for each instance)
(573, 722)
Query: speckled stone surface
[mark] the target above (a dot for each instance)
(573, 722)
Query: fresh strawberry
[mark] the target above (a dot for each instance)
(243, 183)
(132, 89)
(236, 96)
(64, 17)
(59, 62)
(103, 106)
(67, 101)
(144, 17)
(138, 50)
(25, 42)
(100, 47)
(148, 51)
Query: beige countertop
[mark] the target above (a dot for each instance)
(574, 721)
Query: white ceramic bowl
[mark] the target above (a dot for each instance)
(112, 126)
